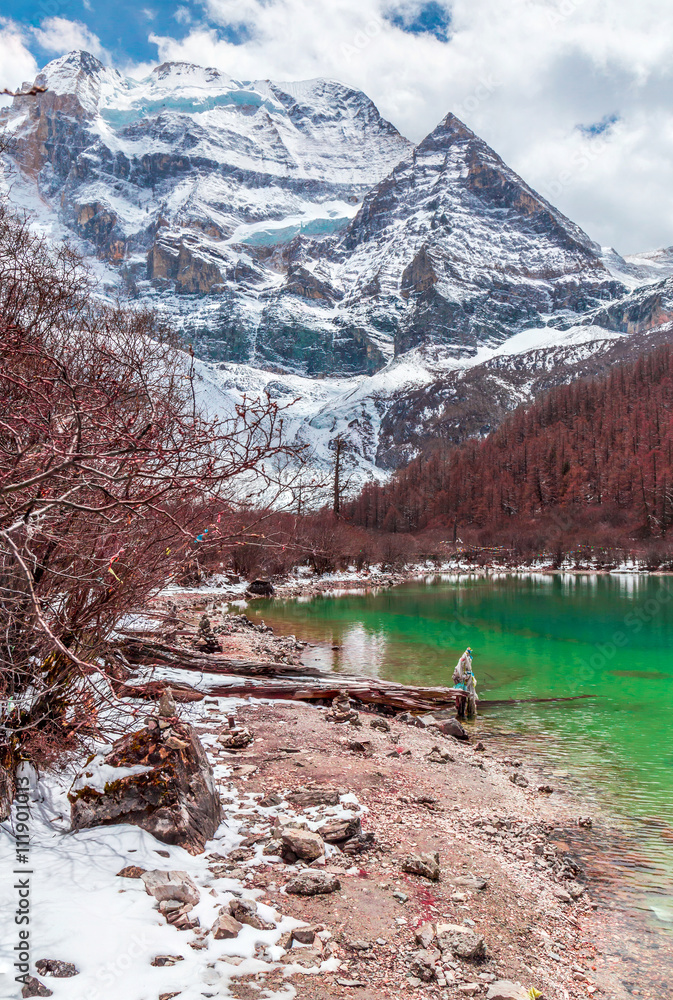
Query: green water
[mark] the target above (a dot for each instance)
(534, 637)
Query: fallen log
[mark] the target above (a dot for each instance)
(387, 695)
(149, 652)
(153, 690)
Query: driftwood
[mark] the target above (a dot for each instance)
(374, 694)
(153, 690)
(151, 651)
(299, 683)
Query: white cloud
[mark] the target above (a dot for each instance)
(18, 65)
(523, 74)
(59, 35)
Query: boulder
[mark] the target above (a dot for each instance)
(34, 988)
(305, 935)
(171, 885)
(161, 961)
(56, 968)
(452, 727)
(423, 964)
(518, 779)
(474, 882)
(461, 942)
(306, 798)
(313, 883)
(381, 724)
(261, 588)
(504, 990)
(245, 912)
(302, 845)
(426, 865)
(358, 844)
(226, 926)
(336, 830)
(165, 788)
(425, 934)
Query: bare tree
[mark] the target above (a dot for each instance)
(109, 476)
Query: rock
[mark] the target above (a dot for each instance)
(341, 709)
(261, 588)
(336, 830)
(471, 882)
(34, 988)
(167, 706)
(308, 958)
(423, 964)
(359, 844)
(306, 798)
(132, 871)
(586, 822)
(56, 968)
(169, 793)
(438, 756)
(226, 926)
(269, 801)
(545, 789)
(302, 844)
(273, 849)
(245, 911)
(361, 746)
(304, 935)
(575, 889)
(518, 779)
(452, 727)
(426, 865)
(351, 983)
(480, 746)
(461, 942)
(563, 896)
(505, 990)
(469, 989)
(411, 720)
(163, 960)
(171, 885)
(425, 934)
(381, 724)
(235, 739)
(313, 883)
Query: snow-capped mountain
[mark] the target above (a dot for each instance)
(306, 248)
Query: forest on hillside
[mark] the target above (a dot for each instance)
(589, 463)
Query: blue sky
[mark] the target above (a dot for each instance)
(576, 95)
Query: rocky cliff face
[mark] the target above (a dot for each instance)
(301, 243)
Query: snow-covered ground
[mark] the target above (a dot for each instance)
(107, 926)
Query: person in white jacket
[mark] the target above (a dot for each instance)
(464, 680)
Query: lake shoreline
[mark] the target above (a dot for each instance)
(562, 806)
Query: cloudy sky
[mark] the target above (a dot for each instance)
(574, 94)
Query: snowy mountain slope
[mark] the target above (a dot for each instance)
(306, 249)
(191, 185)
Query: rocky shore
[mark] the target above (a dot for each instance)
(347, 853)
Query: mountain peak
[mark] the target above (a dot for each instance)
(81, 74)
